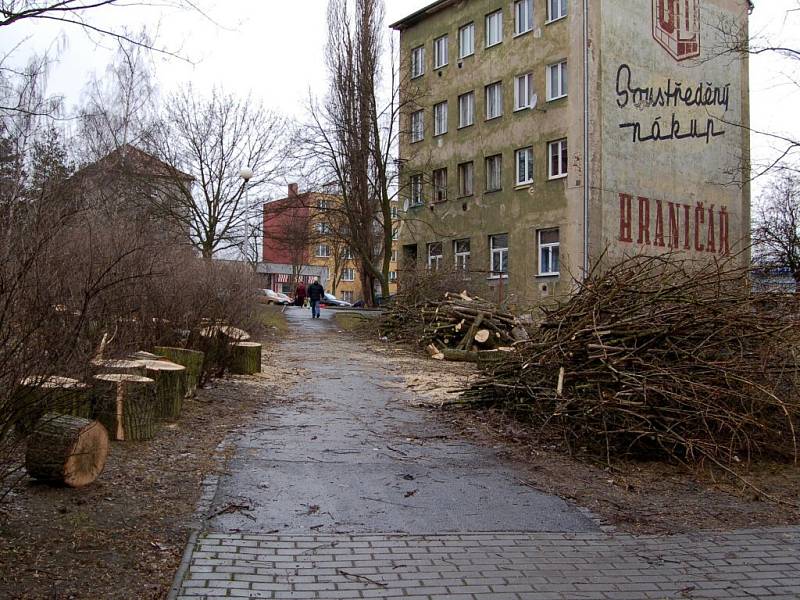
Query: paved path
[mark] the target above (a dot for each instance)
(351, 493)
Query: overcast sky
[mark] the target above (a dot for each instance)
(274, 50)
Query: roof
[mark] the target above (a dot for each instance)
(421, 14)
(133, 161)
(272, 268)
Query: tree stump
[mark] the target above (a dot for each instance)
(127, 405)
(191, 359)
(170, 381)
(39, 395)
(118, 365)
(217, 342)
(67, 450)
(246, 358)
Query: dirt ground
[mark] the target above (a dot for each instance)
(123, 536)
(634, 497)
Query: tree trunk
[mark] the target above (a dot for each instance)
(191, 359)
(39, 395)
(246, 358)
(127, 406)
(170, 381)
(67, 450)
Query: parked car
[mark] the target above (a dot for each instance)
(273, 297)
(331, 300)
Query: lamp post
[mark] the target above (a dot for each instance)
(246, 173)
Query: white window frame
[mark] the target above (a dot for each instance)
(490, 18)
(556, 9)
(348, 253)
(417, 195)
(463, 192)
(462, 257)
(348, 274)
(396, 234)
(523, 16)
(523, 91)
(440, 118)
(393, 212)
(561, 148)
(392, 276)
(524, 173)
(501, 252)
(489, 162)
(466, 109)
(466, 47)
(559, 69)
(440, 52)
(347, 296)
(435, 259)
(440, 185)
(323, 204)
(323, 251)
(417, 126)
(495, 91)
(323, 228)
(417, 62)
(394, 256)
(546, 254)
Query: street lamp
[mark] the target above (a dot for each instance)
(246, 173)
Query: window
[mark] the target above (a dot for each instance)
(440, 52)
(323, 204)
(323, 228)
(435, 256)
(348, 274)
(524, 160)
(347, 296)
(548, 251)
(557, 80)
(440, 118)
(556, 9)
(523, 91)
(494, 28)
(494, 172)
(461, 251)
(416, 190)
(523, 16)
(393, 212)
(395, 233)
(418, 61)
(394, 256)
(323, 251)
(498, 248)
(466, 40)
(494, 100)
(466, 175)
(392, 275)
(557, 151)
(440, 185)
(466, 109)
(417, 125)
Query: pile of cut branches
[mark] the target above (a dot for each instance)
(655, 357)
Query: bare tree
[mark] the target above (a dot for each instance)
(776, 227)
(212, 139)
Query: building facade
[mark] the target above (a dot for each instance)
(540, 135)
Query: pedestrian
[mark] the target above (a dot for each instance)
(300, 295)
(316, 293)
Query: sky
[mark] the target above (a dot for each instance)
(273, 50)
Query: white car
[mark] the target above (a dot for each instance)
(273, 297)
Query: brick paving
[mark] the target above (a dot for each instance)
(761, 563)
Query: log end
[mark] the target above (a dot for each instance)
(88, 457)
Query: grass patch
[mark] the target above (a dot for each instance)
(272, 316)
(351, 321)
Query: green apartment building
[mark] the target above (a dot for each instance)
(541, 134)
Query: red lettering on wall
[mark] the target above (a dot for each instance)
(686, 215)
(667, 15)
(625, 218)
(644, 220)
(674, 227)
(724, 249)
(659, 241)
(699, 219)
(711, 245)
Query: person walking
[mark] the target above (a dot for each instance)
(316, 293)
(300, 295)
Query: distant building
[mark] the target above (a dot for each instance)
(539, 135)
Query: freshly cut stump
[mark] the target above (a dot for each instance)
(191, 359)
(170, 381)
(67, 450)
(232, 333)
(127, 405)
(246, 358)
(217, 342)
(40, 394)
(118, 365)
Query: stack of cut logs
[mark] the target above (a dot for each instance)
(461, 328)
(68, 423)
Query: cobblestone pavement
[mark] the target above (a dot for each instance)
(365, 497)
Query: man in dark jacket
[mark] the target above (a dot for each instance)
(316, 293)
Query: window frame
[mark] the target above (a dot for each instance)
(441, 50)
(465, 95)
(417, 126)
(437, 122)
(439, 190)
(499, 159)
(467, 27)
(417, 61)
(528, 150)
(548, 247)
(392, 276)
(501, 251)
(530, 14)
(462, 258)
(562, 80)
(499, 14)
(462, 190)
(417, 186)
(348, 271)
(326, 254)
(563, 159)
(437, 258)
(562, 9)
(528, 78)
(499, 103)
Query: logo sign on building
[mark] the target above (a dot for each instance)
(676, 27)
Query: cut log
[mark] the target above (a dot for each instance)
(246, 358)
(482, 336)
(126, 405)
(191, 359)
(234, 334)
(67, 450)
(170, 381)
(39, 395)
(217, 343)
(144, 356)
(119, 365)
(470, 335)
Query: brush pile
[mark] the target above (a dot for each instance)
(660, 358)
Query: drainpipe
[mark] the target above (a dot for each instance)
(586, 188)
